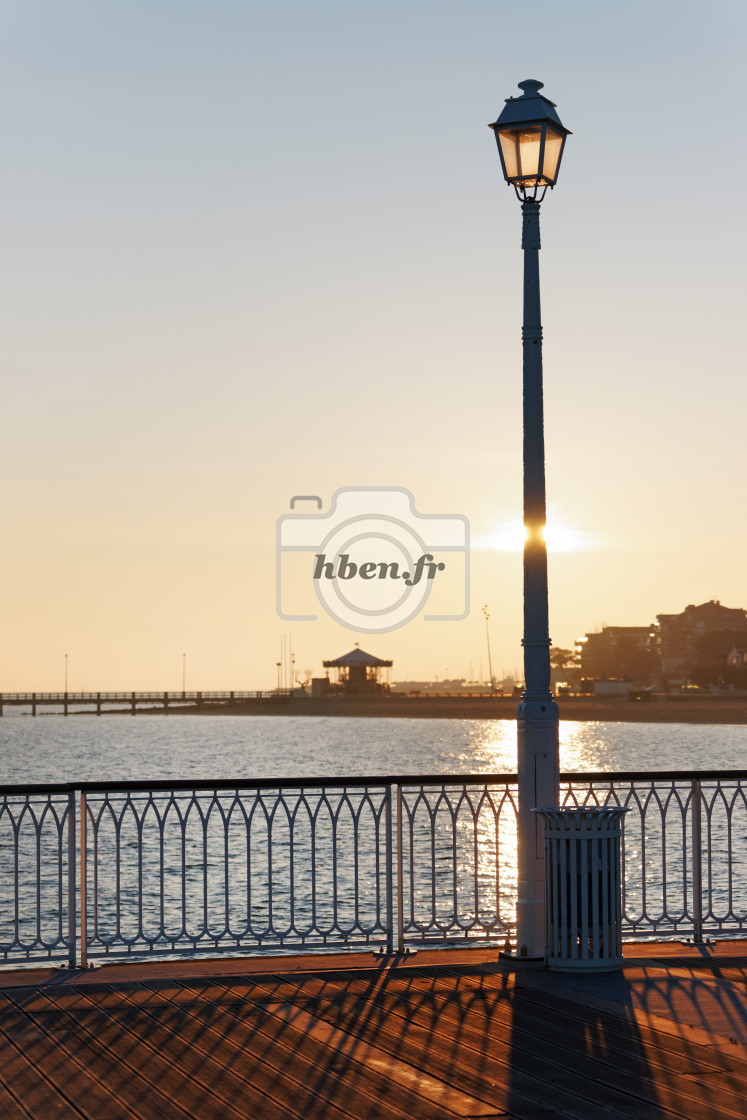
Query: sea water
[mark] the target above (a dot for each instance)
(222, 748)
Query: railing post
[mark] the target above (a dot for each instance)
(83, 900)
(697, 863)
(400, 884)
(389, 871)
(72, 923)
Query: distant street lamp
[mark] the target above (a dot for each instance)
(530, 140)
(487, 635)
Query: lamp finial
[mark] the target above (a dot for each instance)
(531, 87)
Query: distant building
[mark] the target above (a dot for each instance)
(454, 686)
(700, 633)
(612, 687)
(736, 658)
(354, 673)
(691, 646)
(616, 651)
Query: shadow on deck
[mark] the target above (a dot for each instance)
(437, 1034)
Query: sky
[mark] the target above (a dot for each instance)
(257, 250)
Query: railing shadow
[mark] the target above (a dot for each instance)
(706, 993)
(668, 1035)
(384, 1040)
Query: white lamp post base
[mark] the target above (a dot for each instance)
(539, 780)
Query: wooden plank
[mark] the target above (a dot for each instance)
(681, 1055)
(372, 1089)
(435, 1090)
(75, 1050)
(564, 1068)
(46, 1073)
(500, 1006)
(676, 1064)
(445, 1057)
(10, 1109)
(162, 1055)
(192, 1038)
(240, 1046)
(710, 969)
(24, 1094)
(371, 1041)
(659, 1039)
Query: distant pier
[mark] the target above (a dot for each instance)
(137, 702)
(705, 708)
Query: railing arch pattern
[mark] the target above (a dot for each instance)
(95, 871)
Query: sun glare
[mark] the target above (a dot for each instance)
(559, 535)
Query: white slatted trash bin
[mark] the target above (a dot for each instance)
(583, 889)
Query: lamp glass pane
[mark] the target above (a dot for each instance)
(553, 148)
(529, 152)
(510, 153)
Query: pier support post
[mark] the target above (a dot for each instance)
(697, 866)
(83, 882)
(72, 917)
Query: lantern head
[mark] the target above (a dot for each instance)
(530, 140)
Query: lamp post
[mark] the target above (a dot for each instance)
(487, 636)
(530, 140)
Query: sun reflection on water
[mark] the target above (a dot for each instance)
(582, 747)
(492, 747)
(485, 835)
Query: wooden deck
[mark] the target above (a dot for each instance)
(438, 1034)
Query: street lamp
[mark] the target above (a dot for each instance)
(530, 140)
(487, 635)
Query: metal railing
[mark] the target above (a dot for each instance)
(684, 848)
(112, 870)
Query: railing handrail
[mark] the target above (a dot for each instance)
(142, 786)
(335, 782)
(646, 775)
